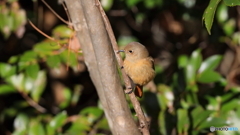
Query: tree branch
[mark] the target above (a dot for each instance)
(144, 125)
(100, 60)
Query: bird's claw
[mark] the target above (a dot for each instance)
(129, 90)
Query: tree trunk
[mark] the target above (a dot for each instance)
(101, 62)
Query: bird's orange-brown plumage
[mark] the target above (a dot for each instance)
(138, 65)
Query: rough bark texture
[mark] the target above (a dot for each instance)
(101, 62)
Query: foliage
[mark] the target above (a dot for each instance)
(190, 93)
(209, 12)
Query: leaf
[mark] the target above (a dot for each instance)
(229, 27)
(81, 125)
(222, 13)
(21, 122)
(61, 32)
(6, 89)
(7, 70)
(213, 103)
(131, 3)
(32, 70)
(66, 93)
(107, 4)
(183, 121)
(93, 113)
(210, 63)
(230, 105)
(38, 86)
(196, 59)
(190, 74)
(208, 15)
(232, 2)
(76, 94)
(46, 47)
(53, 61)
(36, 128)
(197, 119)
(182, 61)
(28, 56)
(69, 58)
(209, 77)
(13, 59)
(165, 96)
(17, 81)
(153, 3)
(58, 121)
(212, 121)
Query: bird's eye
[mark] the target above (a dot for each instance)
(130, 51)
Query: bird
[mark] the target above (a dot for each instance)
(138, 65)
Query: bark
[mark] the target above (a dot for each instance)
(101, 62)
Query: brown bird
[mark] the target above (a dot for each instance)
(138, 65)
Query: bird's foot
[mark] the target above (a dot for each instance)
(129, 90)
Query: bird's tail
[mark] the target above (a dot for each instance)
(139, 91)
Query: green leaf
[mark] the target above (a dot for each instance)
(62, 31)
(103, 124)
(231, 105)
(209, 77)
(69, 58)
(36, 128)
(32, 70)
(214, 103)
(182, 61)
(6, 89)
(165, 96)
(212, 121)
(229, 27)
(66, 93)
(13, 59)
(38, 86)
(197, 119)
(7, 70)
(222, 13)
(232, 2)
(21, 122)
(131, 3)
(46, 47)
(210, 63)
(19, 132)
(235, 38)
(76, 94)
(153, 3)
(93, 113)
(58, 121)
(208, 15)
(107, 4)
(81, 125)
(183, 121)
(28, 56)
(53, 61)
(17, 81)
(190, 74)
(196, 59)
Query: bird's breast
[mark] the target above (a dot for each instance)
(140, 71)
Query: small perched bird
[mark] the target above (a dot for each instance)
(138, 65)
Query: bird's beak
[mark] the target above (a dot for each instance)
(120, 51)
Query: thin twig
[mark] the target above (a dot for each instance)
(143, 122)
(53, 39)
(66, 22)
(32, 103)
